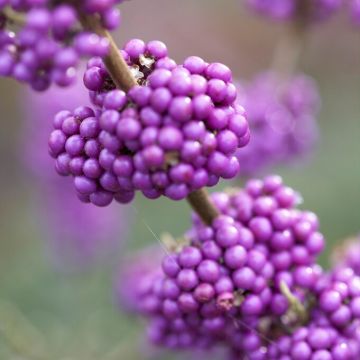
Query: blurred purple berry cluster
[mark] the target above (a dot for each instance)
(41, 42)
(313, 10)
(282, 117)
(318, 340)
(174, 133)
(76, 235)
(251, 283)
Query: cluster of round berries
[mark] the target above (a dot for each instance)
(282, 113)
(250, 283)
(316, 341)
(174, 133)
(332, 331)
(314, 10)
(338, 294)
(49, 41)
(76, 144)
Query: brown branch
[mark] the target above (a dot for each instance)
(291, 47)
(115, 63)
(288, 52)
(13, 17)
(202, 204)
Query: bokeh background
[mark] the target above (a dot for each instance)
(47, 312)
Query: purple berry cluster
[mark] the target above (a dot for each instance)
(338, 294)
(314, 10)
(332, 332)
(174, 133)
(281, 240)
(76, 143)
(142, 59)
(49, 41)
(282, 113)
(316, 341)
(226, 286)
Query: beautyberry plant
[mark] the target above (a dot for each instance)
(41, 42)
(174, 133)
(245, 277)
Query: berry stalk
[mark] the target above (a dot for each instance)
(290, 48)
(114, 62)
(295, 305)
(203, 206)
(13, 16)
(124, 79)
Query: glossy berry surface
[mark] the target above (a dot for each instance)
(76, 144)
(48, 43)
(224, 285)
(174, 133)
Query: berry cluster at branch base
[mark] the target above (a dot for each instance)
(41, 42)
(313, 10)
(174, 133)
(250, 284)
(282, 119)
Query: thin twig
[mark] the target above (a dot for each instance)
(295, 305)
(291, 47)
(115, 63)
(14, 17)
(202, 204)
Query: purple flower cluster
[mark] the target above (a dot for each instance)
(174, 133)
(49, 41)
(282, 120)
(141, 269)
(226, 286)
(76, 234)
(315, 10)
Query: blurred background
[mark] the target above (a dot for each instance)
(61, 313)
